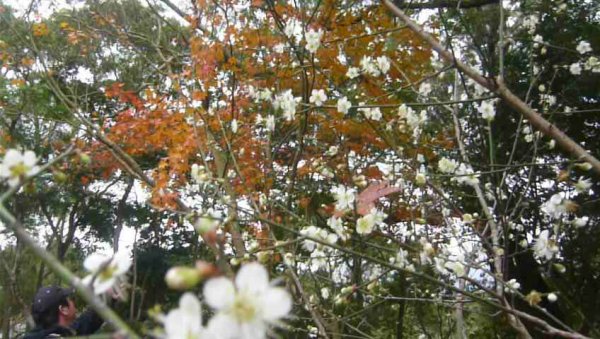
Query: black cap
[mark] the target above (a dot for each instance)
(49, 297)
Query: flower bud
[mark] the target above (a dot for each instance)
(420, 179)
(59, 177)
(85, 159)
(584, 166)
(182, 278)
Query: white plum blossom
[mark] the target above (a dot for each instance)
(333, 150)
(512, 285)
(318, 97)
(425, 89)
(402, 260)
(343, 105)
(544, 247)
(420, 179)
(344, 197)
(486, 108)
(186, 320)
(270, 123)
(575, 68)
(365, 224)
(18, 165)
(555, 207)
(378, 216)
(105, 270)
(456, 267)
(319, 234)
(325, 293)
(369, 66)
(247, 308)
(584, 47)
(580, 222)
(287, 103)
(293, 29)
(262, 95)
(446, 165)
(415, 120)
(313, 40)
(352, 72)
(199, 174)
(465, 175)
(383, 63)
(403, 111)
(593, 64)
(337, 225)
(373, 113)
(279, 48)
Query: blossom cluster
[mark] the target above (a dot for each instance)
(245, 308)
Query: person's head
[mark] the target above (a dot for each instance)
(52, 305)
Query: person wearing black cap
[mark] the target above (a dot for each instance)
(55, 315)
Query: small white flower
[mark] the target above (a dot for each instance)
(364, 225)
(372, 113)
(555, 207)
(234, 126)
(287, 103)
(248, 307)
(105, 270)
(466, 175)
(343, 105)
(325, 293)
(332, 151)
(270, 123)
(344, 197)
(198, 174)
(552, 297)
(583, 185)
(369, 66)
(575, 68)
(17, 165)
(313, 40)
(318, 97)
(403, 111)
(279, 48)
(580, 222)
(456, 267)
(446, 165)
(544, 247)
(415, 120)
(425, 89)
(185, 321)
(512, 285)
(584, 47)
(486, 108)
(352, 72)
(402, 260)
(383, 63)
(293, 29)
(593, 64)
(337, 226)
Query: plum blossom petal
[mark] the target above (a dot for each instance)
(219, 293)
(253, 278)
(277, 304)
